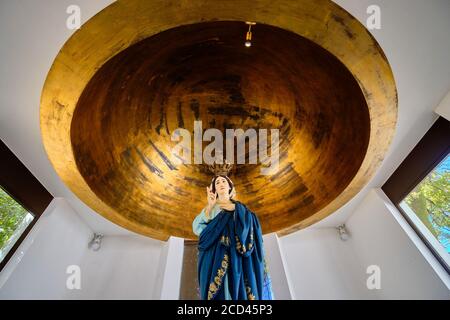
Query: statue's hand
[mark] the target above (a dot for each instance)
(212, 197)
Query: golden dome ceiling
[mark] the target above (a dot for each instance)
(139, 70)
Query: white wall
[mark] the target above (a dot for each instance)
(124, 268)
(321, 266)
(37, 270)
(380, 238)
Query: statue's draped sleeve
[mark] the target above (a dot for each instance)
(201, 221)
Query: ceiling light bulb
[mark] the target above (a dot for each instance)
(248, 36)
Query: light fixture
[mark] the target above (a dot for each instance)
(96, 242)
(248, 38)
(343, 234)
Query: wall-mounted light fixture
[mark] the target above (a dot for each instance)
(96, 242)
(343, 233)
(248, 38)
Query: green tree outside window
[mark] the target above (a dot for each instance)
(13, 221)
(430, 201)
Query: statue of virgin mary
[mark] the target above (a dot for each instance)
(231, 256)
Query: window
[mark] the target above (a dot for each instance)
(420, 188)
(14, 220)
(428, 207)
(23, 199)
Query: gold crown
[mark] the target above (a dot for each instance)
(220, 169)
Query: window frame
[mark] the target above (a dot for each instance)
(424, 158)
(19, 183)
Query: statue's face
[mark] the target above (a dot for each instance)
(222, 186)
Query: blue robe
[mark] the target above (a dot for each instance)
(231, 257)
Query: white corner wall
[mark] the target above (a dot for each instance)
(321, 266)
(276, 265)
